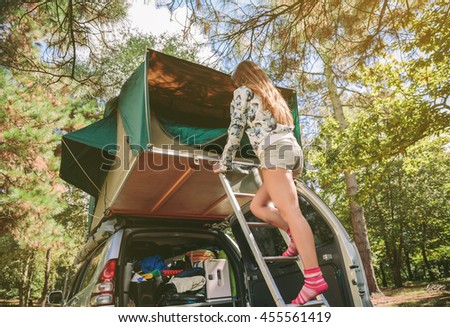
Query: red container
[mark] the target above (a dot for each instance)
(171, 272)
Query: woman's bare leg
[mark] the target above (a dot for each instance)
(281, 190)
(262, 207)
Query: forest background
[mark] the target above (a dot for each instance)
(373, 88)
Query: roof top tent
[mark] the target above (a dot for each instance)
(152, 153)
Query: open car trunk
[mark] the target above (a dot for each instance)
(180, 249)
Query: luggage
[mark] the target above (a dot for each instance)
(144, 294)
(207, 279)
(200, 255)
(170, 296)
(217, 278)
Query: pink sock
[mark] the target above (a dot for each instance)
(314, 285)
(291, 251)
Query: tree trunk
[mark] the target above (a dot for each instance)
(21, 288)
(424, 255)
(360, 232)
(46, 277)
(66, 280)
(25, 282)
(383, 276)
(416, 272)
(408, 266)
(356, 211)
(396, 271)
(387, 251)
(28, 301)
(396, 250)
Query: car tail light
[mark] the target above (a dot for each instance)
(103, 293)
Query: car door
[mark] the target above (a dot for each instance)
(82, 286)
(336, 254)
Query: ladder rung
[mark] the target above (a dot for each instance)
(259, 225)
(280, 259)
(244, 195)
(312, 303)
(266, 274)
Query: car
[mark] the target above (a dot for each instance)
(164, 229)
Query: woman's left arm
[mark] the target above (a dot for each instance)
(238, 109)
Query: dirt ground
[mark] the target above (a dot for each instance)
(423, 295)
(411, 297)
(429, 299)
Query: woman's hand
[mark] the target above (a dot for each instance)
(218, 168)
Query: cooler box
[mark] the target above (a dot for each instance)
(217, 278)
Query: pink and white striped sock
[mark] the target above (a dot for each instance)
(291, 251)
(314, 285)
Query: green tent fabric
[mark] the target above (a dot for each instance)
(190, 135)
(133, 104)
(87, 154)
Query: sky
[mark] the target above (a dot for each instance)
(145, 17)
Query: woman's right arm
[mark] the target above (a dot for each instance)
(238, 109)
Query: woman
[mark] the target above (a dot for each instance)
(259, 109)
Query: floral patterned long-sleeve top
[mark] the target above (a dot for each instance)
(247, 114)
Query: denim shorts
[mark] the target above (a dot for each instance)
(285, 153)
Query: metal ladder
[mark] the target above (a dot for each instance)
(260, 260)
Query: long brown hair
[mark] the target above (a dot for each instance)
(251, 75)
